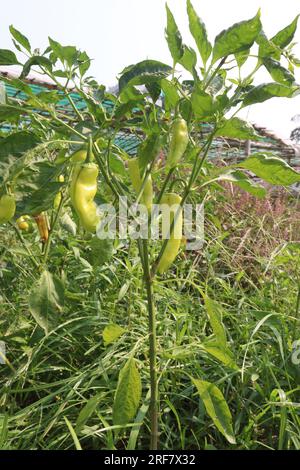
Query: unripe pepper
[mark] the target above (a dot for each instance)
(58, 196)
(136, 180)
(42, 224)
(172, 202)
(83, 190)
(7, 208)
(178, 143)
(80, 156)
(22, 223)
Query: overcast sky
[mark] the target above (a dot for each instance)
(116, 33)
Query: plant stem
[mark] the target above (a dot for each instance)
(20, 237)
(152, 349)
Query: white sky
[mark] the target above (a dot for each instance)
(116, 33)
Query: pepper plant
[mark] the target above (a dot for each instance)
(55, 166)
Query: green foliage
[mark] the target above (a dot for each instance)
(46, 300)
(128, 394)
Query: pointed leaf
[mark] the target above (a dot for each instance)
(128, 394)
(170, 94)
(214, 311)
(8, 57)
(188, 59)
(149, 149)
(46, 300)
(265, 91)
(221, 353)
(237, 38)
(238, 178)
(237, 128)
(35, 60)
(143, 72)
(279, 73)
(20, 38)
(87, 411)
(111, 333)
(198, 31)
(216, 407)
(173, 37)
(285, 36)
(272, 169)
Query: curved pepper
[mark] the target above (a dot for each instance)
(136, 180)
(83, 190)
(178, 143)
(172, 202)
(7, 208)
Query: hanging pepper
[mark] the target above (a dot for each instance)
(42, 224)
(136, 180)
(178, 143)
(22, 223)
(7, 208)
(172, 202)
(83, 190)
(80, 156)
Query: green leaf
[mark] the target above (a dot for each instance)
(271, 169)
(84, 63)
(202, 104)
(73, 434)
(198, 31)
(10, 114)
(20, 38)
(214, 312)
(265, 91)
(173, 37)
(237, 38)
(285, 36)
(189, 59)
(87, 411)
(149, 149)
(128, 394)
(216, 407)
(100, 251)
(237, 128)
(170, 94)
(241, 57)
(46, 300)
(267, 49)
(221, 353)
(111, 333)
(35, 60)
(18, 142)
(154, 90)
(8, 57)
(67, 54)
(238, 178)
(279, 73)
(143, 72)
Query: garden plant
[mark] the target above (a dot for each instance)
(134, 342)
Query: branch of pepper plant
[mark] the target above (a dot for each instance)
(19, 235)
(64, 88)
(53, 223)
(193, 178)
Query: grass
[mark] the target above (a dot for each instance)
(247, 265)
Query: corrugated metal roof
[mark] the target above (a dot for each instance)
(225, 149)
